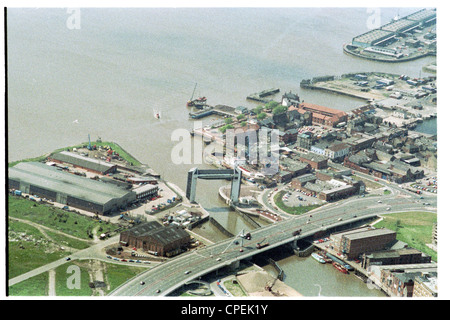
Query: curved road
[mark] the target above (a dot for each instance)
(165, 278)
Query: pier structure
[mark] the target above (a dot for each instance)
(259, 96)
(403, 39)
(221, 110)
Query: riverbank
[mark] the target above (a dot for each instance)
(258, 283)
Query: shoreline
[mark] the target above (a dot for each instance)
(374, 58)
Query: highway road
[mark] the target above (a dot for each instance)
(170, 275)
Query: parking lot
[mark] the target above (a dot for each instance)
(296, 198)
(428, 184)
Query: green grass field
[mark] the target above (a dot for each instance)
(113, 276)
(30, 250)
(292, 210)
(35, 286)
(414, 228)
(68, 222)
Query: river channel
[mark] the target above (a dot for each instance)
(107, 77)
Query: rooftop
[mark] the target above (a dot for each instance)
(372, 35)
(82, 161)
(158, 232)
(51, 178)
(369, 233)
(313, 157)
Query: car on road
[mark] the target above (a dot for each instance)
(68, 259)
(388, 208)
(187, 272)
(142, 283)
(158, 291)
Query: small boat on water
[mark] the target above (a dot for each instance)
(324, 257)
(317, 257)
(157, 114)
(198, 103)
(340, 262)
(339, 267)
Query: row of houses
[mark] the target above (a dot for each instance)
(395, 170)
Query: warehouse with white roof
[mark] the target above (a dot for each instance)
(48, 182)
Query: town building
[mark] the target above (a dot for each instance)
(425, 285)
(305, 140)
(300, 182)
(314, 160)
(321, 115)
(359, 142)
(289, 99)
(337, 151)
(146, 191)
(392, 257)
(339, 192)
(156, 238)
(288, 136)
(283, 176)
(354, 243)
(400, 280)
(296, 168)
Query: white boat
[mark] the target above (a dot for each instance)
(156, 114)
(318, 257)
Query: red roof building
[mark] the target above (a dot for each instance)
(322, 115)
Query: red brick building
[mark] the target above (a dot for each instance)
(316, 161)
(322, 115)
(154, 237)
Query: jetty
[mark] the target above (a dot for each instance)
(259, 96)
(220, 109)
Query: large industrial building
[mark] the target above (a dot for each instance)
(156, 238)
(52, 183)
(387, 33)
(79, 161)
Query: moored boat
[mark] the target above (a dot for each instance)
(198, 103)
(317, 257)
(324, 257)
(340, 267)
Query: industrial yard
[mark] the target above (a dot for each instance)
(402, 39)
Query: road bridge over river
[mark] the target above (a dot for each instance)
(172, 274)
